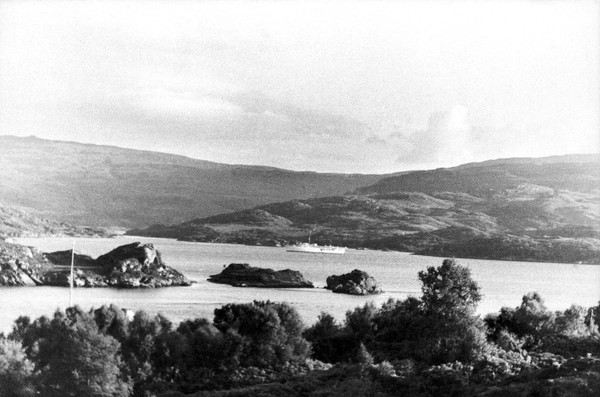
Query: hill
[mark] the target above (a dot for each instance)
(109, 186)
(16, 222)
(526, 209)
(486, 179)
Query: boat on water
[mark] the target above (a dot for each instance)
(316, 249)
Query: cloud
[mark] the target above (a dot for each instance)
(446, 141)
(169, 103)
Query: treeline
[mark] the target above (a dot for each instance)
(427, 346)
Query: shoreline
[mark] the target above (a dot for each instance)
(133, 237)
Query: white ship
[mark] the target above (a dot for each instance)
(315, 248)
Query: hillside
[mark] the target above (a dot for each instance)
(573, 173)
(108, 186)
(17, 222)
(529, 210)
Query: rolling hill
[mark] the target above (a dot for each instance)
(108, 186)
(529, 209)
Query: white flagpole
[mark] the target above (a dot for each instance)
(71, 278)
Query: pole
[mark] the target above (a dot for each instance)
(71, 278)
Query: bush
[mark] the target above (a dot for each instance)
(329, 342)
(440, 327)
(271, 333)
(73, 357)
(16, 370)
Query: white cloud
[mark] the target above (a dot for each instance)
(337, 71)
(172, 103)
(445, 142)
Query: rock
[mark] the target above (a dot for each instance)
(11, 278)
(20, 265)
(143, 255)
(356, 282)
(133, 265)
(87, 279)
(244, 275)
(139, 265)
(63, 258)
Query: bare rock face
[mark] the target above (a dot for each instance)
(138, 265)
(244, 275)
(356, 282)
(20, 265)
(144, 256)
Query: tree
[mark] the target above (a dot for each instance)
(329, 341)
(449, 328)
(16, 371)
(74, 359)
(449, 288)
(439, 327)
(360, 320)
(532, 317)
(572, 322)
(112, 320)
(271, 332)
(144, 348)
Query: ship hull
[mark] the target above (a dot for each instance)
(316, 249)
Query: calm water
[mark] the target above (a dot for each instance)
(502, 283)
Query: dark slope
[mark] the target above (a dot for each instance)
(110, 186)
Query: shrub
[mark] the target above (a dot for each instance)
(271, 333)
(441, 326)
(16, 370)
(73, 357)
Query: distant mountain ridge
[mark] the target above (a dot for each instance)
(572, 172)
(98, 185)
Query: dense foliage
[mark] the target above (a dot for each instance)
(427, 346)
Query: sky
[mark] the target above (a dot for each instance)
(328, 86)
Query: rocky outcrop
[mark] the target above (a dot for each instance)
(138, 265)
(244, 275)
(81, 278)
(20, 265)
(133, 265)
(356, 282)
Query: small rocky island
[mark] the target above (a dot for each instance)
(244, 275)
(133, 265)
(356, 282)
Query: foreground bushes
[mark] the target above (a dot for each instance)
(439, 327)
(427, 346)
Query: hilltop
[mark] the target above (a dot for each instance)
(96, 185)
(525, 209)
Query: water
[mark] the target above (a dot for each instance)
(502, 283)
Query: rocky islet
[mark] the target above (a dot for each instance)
(244, 275)
(133, 265)
(356, 282)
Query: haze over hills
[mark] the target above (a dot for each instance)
(109, 186)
